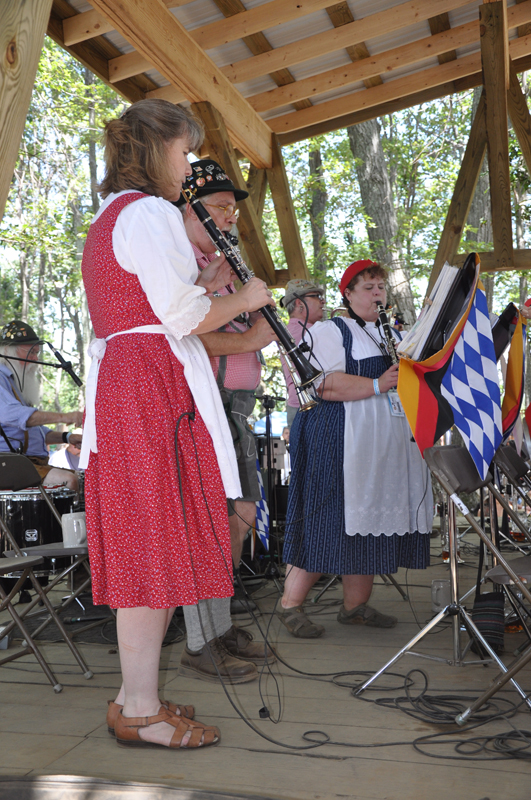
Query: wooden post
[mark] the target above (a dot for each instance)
(494, 59)
(22, 29)
(465, 187)
(257, 187)
(287, 221)
(249, 227)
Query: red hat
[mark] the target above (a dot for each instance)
(354, 269)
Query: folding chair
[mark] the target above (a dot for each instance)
(16, 474)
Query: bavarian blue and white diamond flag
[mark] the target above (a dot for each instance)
(262, 512)
(471, 386)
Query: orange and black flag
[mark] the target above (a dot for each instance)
(514, 379)
(458, 386)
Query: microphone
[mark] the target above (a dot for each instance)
(66, 365)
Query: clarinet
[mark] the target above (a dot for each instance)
(389, 338)
(306, 372)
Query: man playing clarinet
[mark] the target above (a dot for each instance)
(235, 356)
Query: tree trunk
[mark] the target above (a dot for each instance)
(382, 224)
(317, 215)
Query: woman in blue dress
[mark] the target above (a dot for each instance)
(360, 500)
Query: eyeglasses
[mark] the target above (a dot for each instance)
(229, 211)
(319, 296)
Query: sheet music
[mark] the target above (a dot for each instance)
(413, 342)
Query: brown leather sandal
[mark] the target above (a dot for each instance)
(113, 709)
(127, 731)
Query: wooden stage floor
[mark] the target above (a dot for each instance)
(42, 733)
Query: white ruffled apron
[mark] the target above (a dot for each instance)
(198, 373)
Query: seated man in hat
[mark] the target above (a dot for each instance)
(235, 356)
(22, 424)
(304, 301)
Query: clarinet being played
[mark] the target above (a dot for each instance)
(388, 333)
(302, 371)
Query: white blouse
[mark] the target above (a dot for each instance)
(150, 241)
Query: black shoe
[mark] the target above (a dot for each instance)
(242, 604)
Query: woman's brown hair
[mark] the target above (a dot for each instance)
(135, 146)
(372, 272)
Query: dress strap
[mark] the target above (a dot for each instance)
(351, 366)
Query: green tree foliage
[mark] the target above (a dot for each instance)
(48, 211)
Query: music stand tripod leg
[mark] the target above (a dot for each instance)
(497, 684)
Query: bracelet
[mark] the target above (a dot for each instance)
(376, 387)
(65, 437)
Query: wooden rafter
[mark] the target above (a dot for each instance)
(520, 116)
(158, 36)
(463, 194)
(286, 218)
(379, 24)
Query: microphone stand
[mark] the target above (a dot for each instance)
(63, 364)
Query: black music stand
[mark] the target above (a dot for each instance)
(456, 472)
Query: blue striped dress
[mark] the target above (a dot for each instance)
(388, 525)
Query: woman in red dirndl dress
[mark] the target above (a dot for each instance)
(157, 523)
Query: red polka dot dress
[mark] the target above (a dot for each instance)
(157, 523)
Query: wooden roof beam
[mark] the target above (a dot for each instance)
(495, 63)
(440, 44)
(160, 38)
(521, 64)
(89, 24)
(379, 24)
(520, 116)
(408, 86)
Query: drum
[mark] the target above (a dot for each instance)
(29, 518)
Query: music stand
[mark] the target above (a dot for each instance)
(456, 472)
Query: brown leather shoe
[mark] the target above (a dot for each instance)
(113, 709)
(200, 665)
(239, 644)
(127, 731)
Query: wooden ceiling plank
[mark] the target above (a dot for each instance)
(438, 24)
(158, 36)
(520, 117)
(95, 55)
(439, 44)
(340, 14)
(397, 104)
(361, 30)
(286, 217)
(463, 194)
(126, 66)
(382, 63)
(494, 57)
(401, 87)
(250, 230)
(84, 26)
(254, 20)
(169, 93)
(258, 43)
(410, 85)
(89, 24)
(21, 38)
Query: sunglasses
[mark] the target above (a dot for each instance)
(229, 211)
(319, 296)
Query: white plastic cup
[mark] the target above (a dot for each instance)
(440, 594)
